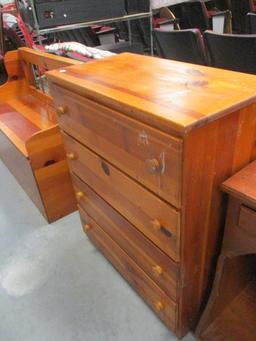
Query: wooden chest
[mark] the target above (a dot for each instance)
(149, 141)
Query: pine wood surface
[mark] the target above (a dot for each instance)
(149, 257)
(231, 310)
(28, 126)
(210, 117)
(152, 294)
(134, 202)
(131, 146)
(169, 95)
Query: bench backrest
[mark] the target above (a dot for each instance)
(35, 63)
(26, 67)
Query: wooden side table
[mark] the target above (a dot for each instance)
(230, 314)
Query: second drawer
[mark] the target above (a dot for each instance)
(151, 215)
(151, 259)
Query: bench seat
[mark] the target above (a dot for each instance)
(30, 142)
(21, 118)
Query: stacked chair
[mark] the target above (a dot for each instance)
(251, 23)
(239, 9)
(204, 43)
(227, 51)
(184, 45)
(231, 51)
(198, 16)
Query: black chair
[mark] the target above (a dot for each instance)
(222, 5)
(198, 16)
(251, 23)
(239, 9)
(231, 51)
(184, 45)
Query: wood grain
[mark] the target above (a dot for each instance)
(211, 113)
(242, 185)
(230, 311)
(20, 168)
(125, 142)
(56, 190)
(147, 288)
(28, 126)
(133, 201)
(172, 96)
(45, 148)
(211, 155)
(141, 250)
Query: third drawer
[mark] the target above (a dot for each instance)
(161, 268)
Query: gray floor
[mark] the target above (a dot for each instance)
(55, 286)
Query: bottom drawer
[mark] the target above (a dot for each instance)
(164, 307)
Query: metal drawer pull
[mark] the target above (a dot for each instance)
(62, 110)
(157, 226)
(157, 270)
(153, 166)
(72, 156)
(79, 195)
(159, 306)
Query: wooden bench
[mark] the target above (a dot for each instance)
(30, 140)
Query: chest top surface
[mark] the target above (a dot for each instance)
(160, 92)
(243, 184)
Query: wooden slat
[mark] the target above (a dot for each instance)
(44, 60)
(56, 190)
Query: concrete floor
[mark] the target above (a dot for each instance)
(54, 284)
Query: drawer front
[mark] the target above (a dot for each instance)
(152, 216)
(151, 157)
(150, 258)
(165, 308)
(247, 221)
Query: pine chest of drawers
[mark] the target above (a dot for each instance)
(148, 143)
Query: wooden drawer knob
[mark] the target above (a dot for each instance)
(153, 166)
(156, 224)
(79, 195)
(62, 110)
(159, 306)
(87, 227)
(72, 156)
(157, 270)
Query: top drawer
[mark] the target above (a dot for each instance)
(151, 157)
